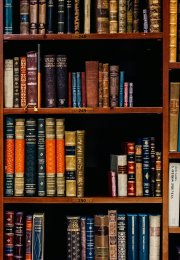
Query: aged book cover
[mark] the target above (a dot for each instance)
(138, 162)
(33, 16)
(102, 16)
(24, 17)
(38, 236)
(19, 237)
(9, 234)
(73, 237)
(143, 236)
(112, 222)
(42, 17)
(146, 166)
(131, 173)
(173, 10)
(16, 82)
(28, 238)
(154, 236)
(80, 154)
(8, 83)
(23, 81)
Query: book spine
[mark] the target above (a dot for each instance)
(9, 156)
(83, 237)
(145, 21)
(24, 17)
(122, 16)
(87, 17)
(42, 17)
(28, 241)
(80, 154)
(69, 16)
(50, 80)
(8, 83)
(41, 157)
(146, 166)
(31, 157)
(158, 177)
(39, 77)
(8, 16)
(122, 175)
(61, 83)
(23, 81)
(112, 221)
(50, 16)
(9, 234)
(69, 89)
(129, 15)
(113, 16)
(131, 183)
(19, 156)
(121, 236)
(126, 94)
(112, 183)
(130, 94)
(38, 236)
(50, 157)
(100, 84)
(89, 238)
(132, 236)
(83, 89)
(143, 236)
(61, 16)
(73, 237)
(101, 231)
(77, 16)
(102, 16)
(155, 16)
(92, 72)
(138, 165)
(74, 89)
(154, 236)
(121, 88)
(114, 85)
(32, 77)
(60, 156)
(105, 84)
(78, 89)
(33, 16)
(16, 82)
(152, 165)
(70, 162)
(19, 235)
(136, 11)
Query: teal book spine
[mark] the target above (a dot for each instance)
(132, 236)
(121, 89)
(8, 17)
(143, 236)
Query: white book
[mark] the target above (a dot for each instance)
(174, 184)
(8, 83)
(154, 237)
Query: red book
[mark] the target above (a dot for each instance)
(32, 79)
(83, 84)
(131, 186)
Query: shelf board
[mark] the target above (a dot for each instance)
(174, 155)
(84, 200)
(97, 110)
(174, 65)
(91, 36)
(174, 230)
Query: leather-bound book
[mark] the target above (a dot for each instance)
(23, 81)
(50, 16)
(154, 15)
(152, 165)
(38, 236)
(113, 16)
(83, 237)
(131, 184)
(129, 16)
(138, 161)
(76, 16)
(122, 235)
(100, 84)
(146, 166)
(8, 83)
(42, 17)
(33, 16)
(9, 234)
(112, 222)
(69, 16)
(87, 16)
(61, 16)
(102, 16)
(73, 237)
(136, 16)
(158, 177)
(9, 156)
(30, 156)
(28, 242)
(89, 238)
(61, 80)
(24, 17)
(50, 80)
(69, 89)
(19, 156)
(19, 242)
(74, 89)
(101, 234)
(16, 83)
(92, 72)
(105, 83)
(154, 236)
(32, 78)
(78, 89)
(122, 16)
(83, 89)
(114, 84)
(8, 16)
(80, 154)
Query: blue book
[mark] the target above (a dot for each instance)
(78, 89)
(50, 15)
(8, 17)
(121, 89)
(143, 236)
(132, 236)
(74, 89)
(73, 237)
(146, 166)
(69, 16)
(121, 235)
(38, 236)
(89, 238)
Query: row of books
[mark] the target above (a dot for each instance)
(42, 158)
(82, 16)
(138, 172)
(23, 235)
(174, 117)
(100, 85)
(114, 236)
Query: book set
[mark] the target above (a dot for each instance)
(83, 16)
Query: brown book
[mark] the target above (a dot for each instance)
(105, 85)
(69, 89)
(42, 17)
(23, 80)
(83, 89)
(102, 16)
(112, 219)
(113, 16)
(16, 82)
(173, 30)
(24, 16)
(76, 16)
(114, 85)
(122, 16)
(174, 114)
(154, 15)
(92, 83)
(138, 165)
(33, 16)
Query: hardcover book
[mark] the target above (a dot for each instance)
(23, 81)
(113, 16)
(105, 84)
(50, 16)
(138, 161)
(143, 236)
(73, 237)
(32, 78)
(112, 221)
(38, 236)
(33, 16)
(24, 17)
(42, 17)
(89, 238)
(83, 237)
(122, 235)
(173, 10)
(8, 83)
(61, 16)
(28, 240)
(114, 84)
(16, 82)
(102, 16)
(146, 166)
(132, 236)
(9, 234)
(80, 155)
(8, 17)
(19, 242)
(154, 236)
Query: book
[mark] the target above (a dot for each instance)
(122, 236)
(77, 16)
(38, 236)
(91, 68)
(112, 221)
(73, 237)
(78, 89)
(173, 10)
(158, 180)
(16, 82)
(50, 23)
(28, 239)
(132, 236)
(74, 89)
(131, 174)
(154, 236)
(101, 233)
(136, 16)
(9, 234)
(121, 88)
(114, 84)
(83, 237)
(23, 81)
(69, 5)
(173, 115)
(122, 175)
(122, 16)
(174, 189)
(138, 165)
(24, 17)
(105, 84)
(61, 16)
(113, 16)
(83, 89)
(146, 166)
(80, 162)
(87, 17)
(39, 77)
(42, 16)
(143, 236)
(129, 15)
(9, 156)
(33, 18)
(19, 239)
(112, 183)
(154, 167)
(8, 83)
(69, 89)
(100, 84)
(8, 16)
(102, 16)
(89, 238)
(155, 15)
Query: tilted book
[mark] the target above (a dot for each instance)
(38, 236)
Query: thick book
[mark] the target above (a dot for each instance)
(113, 16)
(101, 234)
(50, 23)
(122, 175)
(129, 16)
(143, 236)
(80, 161)
(92, 71)
(69, 17)
(173, 12)
(87, 16)
(33, 17)
(174, 197)
(9, 156)
(61, 16)
(83, 237)
(154, 236)
(38, 236)
(8, 83)
(132, 236)
(23, 81)
(173, 115)
(28, 238)
(24, 16)
(153, 165)
(114, 84)
(73, 237)
(112, 221)
(122, 16)
(155, 16)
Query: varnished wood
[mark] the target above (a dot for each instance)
(174, 155)
(174, 230)
(174, 65)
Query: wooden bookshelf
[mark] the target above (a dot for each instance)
(174, 230)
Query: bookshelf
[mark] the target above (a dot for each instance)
(145, 57)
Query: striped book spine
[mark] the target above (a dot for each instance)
(152, 165)
(38, 236)
(143, 236)
(28, 242)
(23, 81)
(30, 157)
(8, 83)
(41, 158)
(61, 16)
(50, 157)
(9, 156)
(9, 234)
(73, 237)
(24, 17)
(8, 16)
(89, 238)
(113, 16)
(121, 235)
(60, 156)
(19, 235)
(131, 183)
(112, 221)
(80, 154)
(158, 183)
(146, 166)
(132, 236)
(70, 162)
(138, 162)
(16, 82)
(33, 16)
(19, 156)
(83, 237)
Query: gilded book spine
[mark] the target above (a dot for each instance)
(23, 81)
(61, 16)
(42, 17)
(32, 77)
(131, 169)
(8, 16)
(77, 16)
(38, 236)
(154, 236)
(138, 161)
(173, 30)
(73, 237)
(80, 153)
(24, 17)
(146, 166)
(60, 156)
(87, 18)
(100, 84)
(105, 84)
(69, 16)
(113, 16)
(50, 16)
(155, 15)
(8, 83)
(152, 165)
(83, 237)
(29, 224)
(16, 83)
(102, 16)
(33, 16)
(122, 16)
(129, 15)
(136, 16)
(70, 160)
(158, 177)
(122, 236)
(114, 85)
(19, 235)
(50, 157)
(19, 156)
(112, 219)
(122, 175)
(9, 234)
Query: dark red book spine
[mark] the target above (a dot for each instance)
(112, 184)
(32, 76)
(131, 187)
(83, 90)
(9, 235)
(19, 235)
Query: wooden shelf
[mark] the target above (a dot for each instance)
(85, 200)
(91, 36)
(98, 110)
(174, 230)
(174, 155)
(174, 65)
